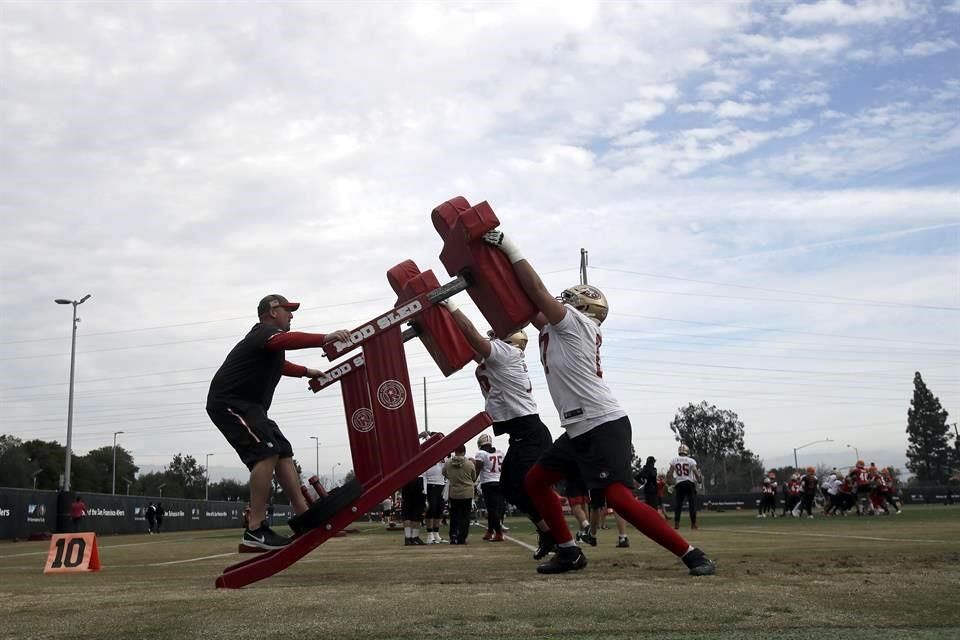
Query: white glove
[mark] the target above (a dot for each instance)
(450, 304)
(502, 242)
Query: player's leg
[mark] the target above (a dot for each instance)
(692, 497)
(289, 480)
(554, 465)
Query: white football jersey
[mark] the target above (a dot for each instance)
(570, 354)
(505, 384)
(490, 465)
(683, 468)
(434, 475)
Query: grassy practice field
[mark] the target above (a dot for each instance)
(825, 578)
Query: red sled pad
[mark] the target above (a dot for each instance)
(495, 288)
(435, 327)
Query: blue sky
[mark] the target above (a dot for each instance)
(768, 192)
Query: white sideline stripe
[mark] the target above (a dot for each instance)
(523, 544)
(528, 547)
(219, 555)
(827, 535)
(101, 546)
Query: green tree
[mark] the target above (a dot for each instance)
(185, 478)
(48, 458)
(712, 435)
(230, 490)
(16, 470)
(928, 452)
(94, 471)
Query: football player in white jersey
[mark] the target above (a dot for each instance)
(685, 475)
(435, 482)
(489, 462)
(507, 392)
(597, 442)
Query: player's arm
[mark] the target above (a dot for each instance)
(539, 321)
(551, 308)
(670, 475)
(283, 340)
(479, 343)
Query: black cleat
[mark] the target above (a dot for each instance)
(263, 537)
(416, 541)
(698, 563)
(545, 545)
(623, 542)
(565, 559)
(584, 535)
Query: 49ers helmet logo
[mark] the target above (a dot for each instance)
(362, 420)
(391, 394)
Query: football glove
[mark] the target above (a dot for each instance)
(499, 240)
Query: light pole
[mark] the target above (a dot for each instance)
(317, 440)
(207, 489)
(113, 490)
(796, 464)
(129, 482)
(332, 476)
(73, 358)
(855, 450)
(35, 474)
(160, 488)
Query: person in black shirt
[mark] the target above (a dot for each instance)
(240, 396)
(647, 479)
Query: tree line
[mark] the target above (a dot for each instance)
(715, 437)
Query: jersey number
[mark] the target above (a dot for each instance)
(494, 464)
(681, 469)
(545, 343)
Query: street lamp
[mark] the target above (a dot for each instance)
(113, 491)
(73, 357)
(129, 482)
(160, 488)
(35, 474)
(796, 464)
(207, 490)
(317, 440)
(855, 450)
(332, 472)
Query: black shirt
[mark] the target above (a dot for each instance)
(249, 375)
(648, 478)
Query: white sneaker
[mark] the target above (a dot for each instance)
(809, 517)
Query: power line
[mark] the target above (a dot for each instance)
(860, 301)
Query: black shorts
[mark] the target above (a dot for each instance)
(600, 456)
(529, 438)
(413, 500)
(250, 432)
(652, 499)
(434, 501)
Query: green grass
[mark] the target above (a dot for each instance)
(776, 579)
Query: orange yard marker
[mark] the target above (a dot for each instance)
(73, 553)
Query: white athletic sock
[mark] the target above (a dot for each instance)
(414, 533)
(689, 549)
(407, 532)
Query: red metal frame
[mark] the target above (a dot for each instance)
(386, 451)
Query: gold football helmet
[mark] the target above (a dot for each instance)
(518, 339)
(484, 440)
(683, 450)
(587, 299)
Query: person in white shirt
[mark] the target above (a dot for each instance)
(508, 398)
(597, 439)
(435, 482)
(686, 476)
(489, 462)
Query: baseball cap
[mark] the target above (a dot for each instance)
(275, 300)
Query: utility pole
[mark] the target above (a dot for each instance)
(583, 266)
(73, 358)
(426, 421)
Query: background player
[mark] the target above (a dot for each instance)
(686, 476)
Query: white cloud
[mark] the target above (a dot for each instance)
(715, 89)
(844, 14)
(696, 107)
(929, 47)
